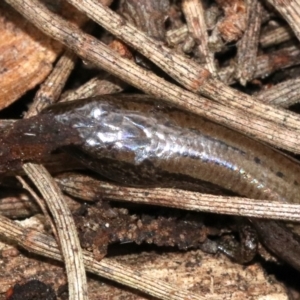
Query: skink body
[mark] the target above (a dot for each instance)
(131, 141)
(128, 131)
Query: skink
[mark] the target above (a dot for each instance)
(132, 141)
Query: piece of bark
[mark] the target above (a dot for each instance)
(214, 277)
(26, 54)
(101, 225)
(208, 275)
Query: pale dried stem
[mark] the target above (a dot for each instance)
(248, 45)
(266, 64)
(94, 87)
(44, 245)
(93, 50)
(50, 90)
(283, 94)
(290, 11)
(269, 38)
(41, 204)
(180, 68)
(87, 188)
(278, 135)
(194, 15)
(178, 35)
(20, 205)
(66, 229)
(283, 58)
(276, 36)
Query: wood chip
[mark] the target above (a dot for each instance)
(26, 54)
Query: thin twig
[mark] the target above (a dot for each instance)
(50, 90)
(266, 63)
(283, 94)
(290, 11)
(194, 15)
(276, 36)
(41, 204)
(279, 135)
(16, 204)
(94, 87)
(87, 188)
(177, 35)
(248, 45)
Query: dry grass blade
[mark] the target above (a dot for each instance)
(53, 85)
(276, 36)
(40, 202)
(248, 45)
(89, 189)
(283, 94)
(65, 228)
(290, 10)
(194, 14)
(267, 63)
(94, 87)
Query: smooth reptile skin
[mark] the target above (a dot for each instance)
(133, 142)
